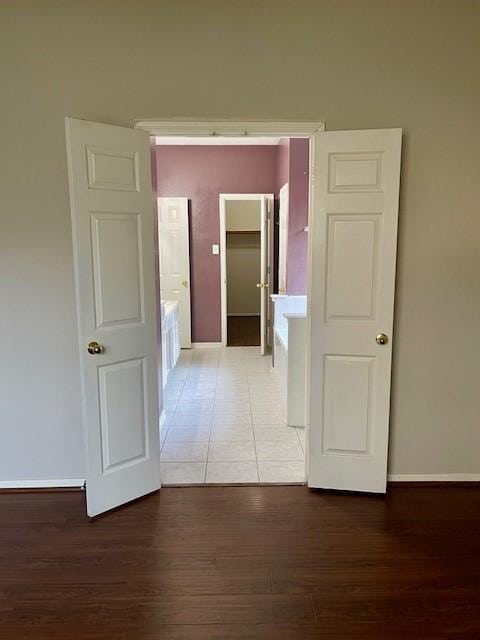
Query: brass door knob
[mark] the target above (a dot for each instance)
(94, 348)
(381, 339)
(185, 283)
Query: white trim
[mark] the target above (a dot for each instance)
(187, 128)
(433, 477)
(205, 345)
(59, 483)
(163, 417)
(243, 315)
(217, 141)
(223, 268)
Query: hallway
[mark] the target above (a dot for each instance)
(224, 410)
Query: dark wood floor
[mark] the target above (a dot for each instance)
(214, 563)
(243, 331)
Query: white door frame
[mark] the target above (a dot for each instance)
(223, 199)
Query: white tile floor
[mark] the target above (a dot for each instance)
(224, 411)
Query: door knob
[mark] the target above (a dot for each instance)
(381, 339)
(94, 348)
(185, 283)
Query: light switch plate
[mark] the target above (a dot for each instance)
(215, 249)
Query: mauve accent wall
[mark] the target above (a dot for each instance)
(201, 173)
(283, 163)
(297, 216)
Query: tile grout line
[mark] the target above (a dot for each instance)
(253, 428)
(169, 426)
(211, 418)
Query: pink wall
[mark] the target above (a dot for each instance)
(283, 163)
(297, 216)
(201, 173)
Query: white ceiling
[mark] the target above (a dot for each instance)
(216, 140)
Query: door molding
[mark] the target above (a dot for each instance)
(187, 128)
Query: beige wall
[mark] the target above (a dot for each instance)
(243, 273)
(355, 64)
(242, 215)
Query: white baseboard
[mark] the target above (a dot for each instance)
(205, 345)
(64, 483)
(433, 477)
(60, 483)
(243, 315)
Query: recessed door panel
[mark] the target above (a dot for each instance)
(117, 254)
(112, 169)
(355, 172)
(351, 266)
(346, 424)
(123, 413)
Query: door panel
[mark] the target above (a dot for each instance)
(117, 260)
(347, 423)
(353, 253)
(351, 266)
(123, 398)
(111, 196)
(174, 247)
(283, 239)
(264, 276)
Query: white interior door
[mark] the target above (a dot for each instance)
(353, 240)
(174, 260)
(283, 239)
(112, 222)
(264, 275)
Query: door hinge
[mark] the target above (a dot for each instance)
(84, 486)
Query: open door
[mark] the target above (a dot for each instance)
(283, 239)
(174, 247)
(112, 228)
(353, 241)
(264, 273)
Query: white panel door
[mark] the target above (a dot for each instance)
(174, 247)
(353, 245)
(283, 239)
(112, 223)
(264, 275)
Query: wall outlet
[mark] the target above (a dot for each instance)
(215, 249)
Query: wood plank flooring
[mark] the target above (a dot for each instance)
(243, 331)
(253, 562)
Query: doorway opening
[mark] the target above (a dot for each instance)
(243, 247)
(225, 412)
(246, 268)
